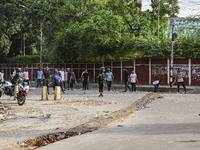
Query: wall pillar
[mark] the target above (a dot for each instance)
(149, 71)
(94, 73)
(190, 71)
(168, 71)
(121, 70)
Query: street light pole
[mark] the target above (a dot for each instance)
(172, 48)
(158, 18)
(41, 44)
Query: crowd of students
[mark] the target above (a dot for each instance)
(65, 78)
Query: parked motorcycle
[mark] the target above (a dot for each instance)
(9, 89)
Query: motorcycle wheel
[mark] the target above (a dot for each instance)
(21, 100)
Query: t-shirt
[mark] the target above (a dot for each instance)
(133, 77)
(47, 74)
(1, 76)
(68, 75)
(26, 75)
(85, 76)
(14, 73)
(62, 75)
(65, 76)
(180, 77)
(15, 78)
(126, 73)
(72, 76)
(109, 76)
(21, 74)
(156, 82)
(57, 77)
(101, 78)
(39, 74)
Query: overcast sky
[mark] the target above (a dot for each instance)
(187, 7)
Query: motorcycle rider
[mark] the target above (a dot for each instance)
(15, 79)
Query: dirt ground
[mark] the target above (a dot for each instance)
(36, 117)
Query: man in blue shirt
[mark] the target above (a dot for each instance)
(39, 77)
(57, 78)
(109, 77)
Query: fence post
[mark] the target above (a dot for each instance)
(149, 71)
(94, 73)
(168, 71)
(121, 70)
(189, 73)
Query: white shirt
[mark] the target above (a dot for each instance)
(156, 82)
(26, 75)
(62, 75)
(133, 77)
(14, 73)
(2, 76)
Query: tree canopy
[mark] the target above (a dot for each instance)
(91, 30)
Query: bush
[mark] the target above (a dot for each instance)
(28, 59)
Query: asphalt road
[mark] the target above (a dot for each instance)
(170, 123)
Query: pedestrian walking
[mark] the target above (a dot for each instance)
(101, 78)
(65, 79)
(46, 77)
(179, 79)
(156, 85)
(72, 79)
(133, 78)
(86, 79)
(68, 78)
(56, 78)
(126, 79)
(62, 79)
(82, 79)
(39, 77)
(109, 77)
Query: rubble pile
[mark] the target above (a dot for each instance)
(47, 139)
(3, 112)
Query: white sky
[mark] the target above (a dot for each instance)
(187, 7)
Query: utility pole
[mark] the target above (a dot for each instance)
(172, 20)
(158, 18)
(41, 44)
(24, 43)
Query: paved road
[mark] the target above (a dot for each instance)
(170, 123)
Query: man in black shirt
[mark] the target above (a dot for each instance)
(68, 78)
(86, 80)
(126, 77)
(46, 78)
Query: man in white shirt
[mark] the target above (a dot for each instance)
(156, 85)
(133, 77)
(62, 79)
(2, 76)
(26, 76)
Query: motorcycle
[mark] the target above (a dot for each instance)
(9, 89)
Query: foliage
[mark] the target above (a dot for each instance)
(28, 59)
(89, 30)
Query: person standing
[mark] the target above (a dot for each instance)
(133, 78)
(126, 78)
(46, 77)
(39, 77)
(180, 81)
(156, 85)
(56, 78)
(21, 74)
(101, 78)
(26, 76)
(65, 79)
(72, 79)
(86, 79)
(2, 76)
(68, 78)
(109, 77)
(62, 79)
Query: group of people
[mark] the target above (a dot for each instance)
(65, 78)
(20, 75)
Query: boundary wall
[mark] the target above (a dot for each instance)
(147, 70)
